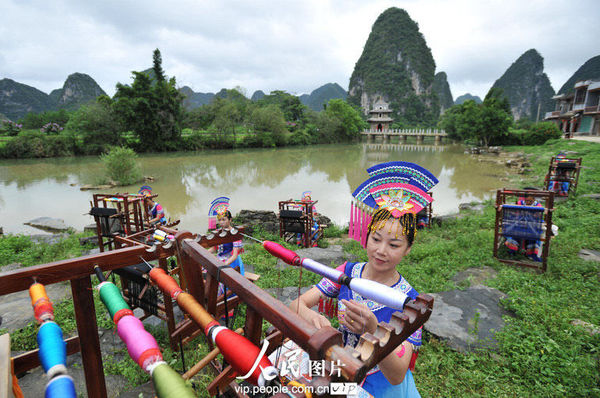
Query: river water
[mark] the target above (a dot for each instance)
(253, 178)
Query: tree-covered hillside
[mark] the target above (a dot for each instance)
(442, 89)
(396, 65)
(322, 95)
(466, 97)
(589, 70)
(17, 99)
(527, 87)
(79, 89)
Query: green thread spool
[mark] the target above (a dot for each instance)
(169, 384)
(112, 298)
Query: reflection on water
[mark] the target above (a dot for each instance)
(253, 179)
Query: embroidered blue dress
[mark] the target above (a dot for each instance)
(157, 210)
(375, 383)
(224, 252)
(533, 248)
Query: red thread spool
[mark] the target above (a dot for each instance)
(165, 282)
(281, 252)
(240, 353)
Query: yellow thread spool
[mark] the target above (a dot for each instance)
(37, 292)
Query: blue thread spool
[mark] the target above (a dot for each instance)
(53, 350)
(60, 387)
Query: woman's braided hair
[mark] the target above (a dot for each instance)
(408, 221)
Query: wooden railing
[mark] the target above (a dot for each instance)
(411, 132)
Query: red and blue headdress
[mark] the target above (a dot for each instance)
(145, 190)
(399, 187)
(306, 195)
(217, 207)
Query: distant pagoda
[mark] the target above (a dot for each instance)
(379, 116)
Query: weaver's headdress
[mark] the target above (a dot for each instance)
(218, 207)
(399, 187)
(145, 190)
(306, 195)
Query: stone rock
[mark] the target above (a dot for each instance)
(590, 328)
(286, 294)
(95, 187)
(495, 149)
(90, 228)
(474, 276)
(332, 255)
(474, 207)
(48, 224)
(252, 218)
(95, 250)
(468, 318)
(16, 307)
(595, 196)
(89, 239)
(48, 239)
(589, 255)
(439, 220)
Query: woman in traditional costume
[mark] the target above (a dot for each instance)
(532, 248)
(155, 210)
(228, 253)
(389, 201)
(560, 187)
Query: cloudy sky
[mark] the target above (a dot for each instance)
(295, 46)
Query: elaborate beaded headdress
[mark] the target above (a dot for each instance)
(217, 207)
(306, 195)
(398, 187)
(145, 190)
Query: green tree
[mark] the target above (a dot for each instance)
(98, 124)
(292, 107)
(350, 121)
(268, 119)
(450, 121)
(153, 110)
(227, 116)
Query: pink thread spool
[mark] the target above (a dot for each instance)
(142, 347)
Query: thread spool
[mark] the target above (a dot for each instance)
(142, 347)
(37, 292)
(112, 298)
(165, 282)
(61, 387)
(43, 311)
(170, 384)
(42, 306)
(53, 350)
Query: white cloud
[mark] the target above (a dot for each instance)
(289, 45)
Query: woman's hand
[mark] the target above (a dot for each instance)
(318, 320)
(358, 318)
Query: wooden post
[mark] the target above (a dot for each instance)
(85, 315)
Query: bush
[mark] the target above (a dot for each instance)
(34, 144)
(9, 128)
(541, 132)
(51, 128)
(121, 166)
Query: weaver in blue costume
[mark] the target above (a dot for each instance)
(532, 248)
(155, 210)
(560, 187)
(394, 194)
(228, 253)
